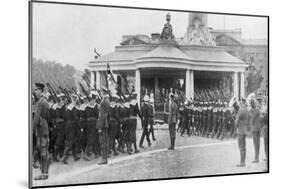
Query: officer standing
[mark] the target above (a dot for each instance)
(102, 126)
(145, 122)
(134, 112)
(255, 128)
(241, 123)
(41, 129)
(172, 120)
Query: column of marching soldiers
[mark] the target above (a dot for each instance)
(207, 119)
(75, 124)
(100, 124)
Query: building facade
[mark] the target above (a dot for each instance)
(161, 60)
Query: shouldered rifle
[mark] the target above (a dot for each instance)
(52, 92)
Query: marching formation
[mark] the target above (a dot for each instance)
(207, 119)
(103, 124)
(97, 125)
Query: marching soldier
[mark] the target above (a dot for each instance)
(41, 129)
(102, 126)
(72, 119)
(81, 130)
(134, 112)
(145, 122)
(59, 126)
(215, 122)
(121, 112)
(92, 138)
(172, 120)
(113, 123)
(241, 123)
(126, 124)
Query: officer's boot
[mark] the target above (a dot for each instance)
(135, 147)
(86, 154)
(129, 148)
(66, 155)
(56, 154)
(173, 143)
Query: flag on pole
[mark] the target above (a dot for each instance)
(111, 84)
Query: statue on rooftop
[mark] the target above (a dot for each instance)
(167, 32)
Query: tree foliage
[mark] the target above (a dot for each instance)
(54, 73)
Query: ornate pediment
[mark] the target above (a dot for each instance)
(225, 40)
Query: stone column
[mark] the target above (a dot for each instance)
(192, 84)
(242, 84)
(98, 80)
(156, 86)
(92, 84)
(187, 84)
(138, 86)
(235, 85)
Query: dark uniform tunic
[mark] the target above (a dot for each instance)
(145, 122)
(72, 121)
(92, 138)
(102, 126)
(81, 137)
(121, 110)
(134, 112)
(172, 120)
(113, 126)
(59, 129)
(126, 123)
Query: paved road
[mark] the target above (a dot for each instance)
(194, 156)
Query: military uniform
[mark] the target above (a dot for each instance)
(93, 144)
(242, 125)
(102, 126)
(113, 126)
(81, 135)
(145, 122)
(172, 120)
(134, 112)
(254, 114)
(59, 129)
(41, 129)
(72, 121)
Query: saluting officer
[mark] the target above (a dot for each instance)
(41, 129)
(102, 125)
(241, 123)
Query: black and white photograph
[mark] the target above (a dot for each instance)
(122, 94)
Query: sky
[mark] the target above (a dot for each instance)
(68, 34)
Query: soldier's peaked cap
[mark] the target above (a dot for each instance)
(40, 85)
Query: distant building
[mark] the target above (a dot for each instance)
(252, 51)
(202, 58)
